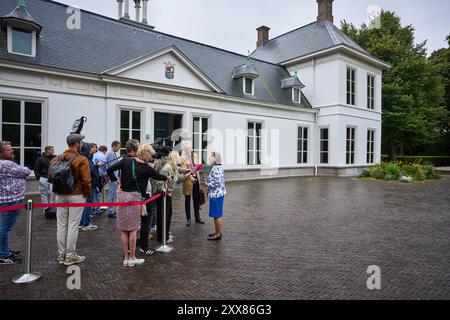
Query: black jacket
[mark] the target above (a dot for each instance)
(41, 166)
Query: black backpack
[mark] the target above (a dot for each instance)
(62, 177)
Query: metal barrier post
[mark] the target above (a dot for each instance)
(28, 276)
(164, 247)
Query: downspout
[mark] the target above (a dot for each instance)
(316, 169)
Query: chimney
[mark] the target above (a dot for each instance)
(120, 8)
(325, 10)
(137, 6)
(127, 10)
(263, 36)
(144, 11)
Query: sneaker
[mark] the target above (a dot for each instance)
(153, 230)
(90, 227)
(15, 253)
(61, 259)
(149, 252)
(170, 240)
(125, 263)
(188, 222)
(80, 227)
(135, 262)
(10, 260)
(74, 260)
(170, 236)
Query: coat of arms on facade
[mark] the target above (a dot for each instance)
(170, 70)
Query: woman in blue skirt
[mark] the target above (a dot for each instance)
(216, 194)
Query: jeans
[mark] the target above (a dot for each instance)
(112, 195)
(159, 217)
(195, 200)
(7, 222)
(45, 189)
(95, 198)
(86, 219)
(146, 222)
(68, 220)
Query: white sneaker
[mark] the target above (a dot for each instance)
(90, 227)
(170, 236)
(170, 240)
(135, 262)
(125, 263)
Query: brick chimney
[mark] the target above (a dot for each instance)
(325, 10)
(263, 36)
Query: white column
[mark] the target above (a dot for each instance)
(120, 8)
(127, 9)
(144, 11)
(138, 9)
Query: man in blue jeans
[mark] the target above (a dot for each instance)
(111, 158)
(12, 193)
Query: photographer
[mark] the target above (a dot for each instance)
(134, 175)
(41, 172)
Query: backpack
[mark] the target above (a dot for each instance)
(62, 177)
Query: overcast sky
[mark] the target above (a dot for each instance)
(231, 24)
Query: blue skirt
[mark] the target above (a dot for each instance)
(216, 207)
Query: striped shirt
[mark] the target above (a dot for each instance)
(12, 181)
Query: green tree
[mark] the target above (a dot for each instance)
(441, 58)
(412, 88)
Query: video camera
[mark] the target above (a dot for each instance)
(162, 150)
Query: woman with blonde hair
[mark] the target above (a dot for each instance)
(191, 187)
(170, 169)
(216, 194)
(134, 175)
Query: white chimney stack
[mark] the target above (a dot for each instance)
(120, 8)
(144, 11)
(127, 10)
(137, 6)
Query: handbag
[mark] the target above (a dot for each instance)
(201, 198)
(143, 210)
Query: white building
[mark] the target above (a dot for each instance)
(307, 102)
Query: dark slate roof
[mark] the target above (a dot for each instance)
(300, 42)
(103, 43)
(20, 14)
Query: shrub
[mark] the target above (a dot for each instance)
(392, 170)
(403, 171)
(378, 172)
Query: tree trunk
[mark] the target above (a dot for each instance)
(402, 150)
(392, 154)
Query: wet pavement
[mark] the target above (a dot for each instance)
(296, 238)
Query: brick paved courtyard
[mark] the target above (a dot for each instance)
(298, 238)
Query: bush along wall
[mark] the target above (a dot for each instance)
(402, 171)
(437, 161)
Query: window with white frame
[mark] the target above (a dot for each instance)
(254, 143)
(21, 41)
(370, 92)
(21, 124)
(200, 137)
(324, 148)
(296, 95)
(350, 146)
(248, 86)
(130, 126)
(302, 145)
(351, 86)
(370, 146)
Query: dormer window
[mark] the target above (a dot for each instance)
(249, 86)
(246, 75)
(21, 41)
(296, 95)
(293, 86)
(22, 31)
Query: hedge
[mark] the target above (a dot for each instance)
(437, 161)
